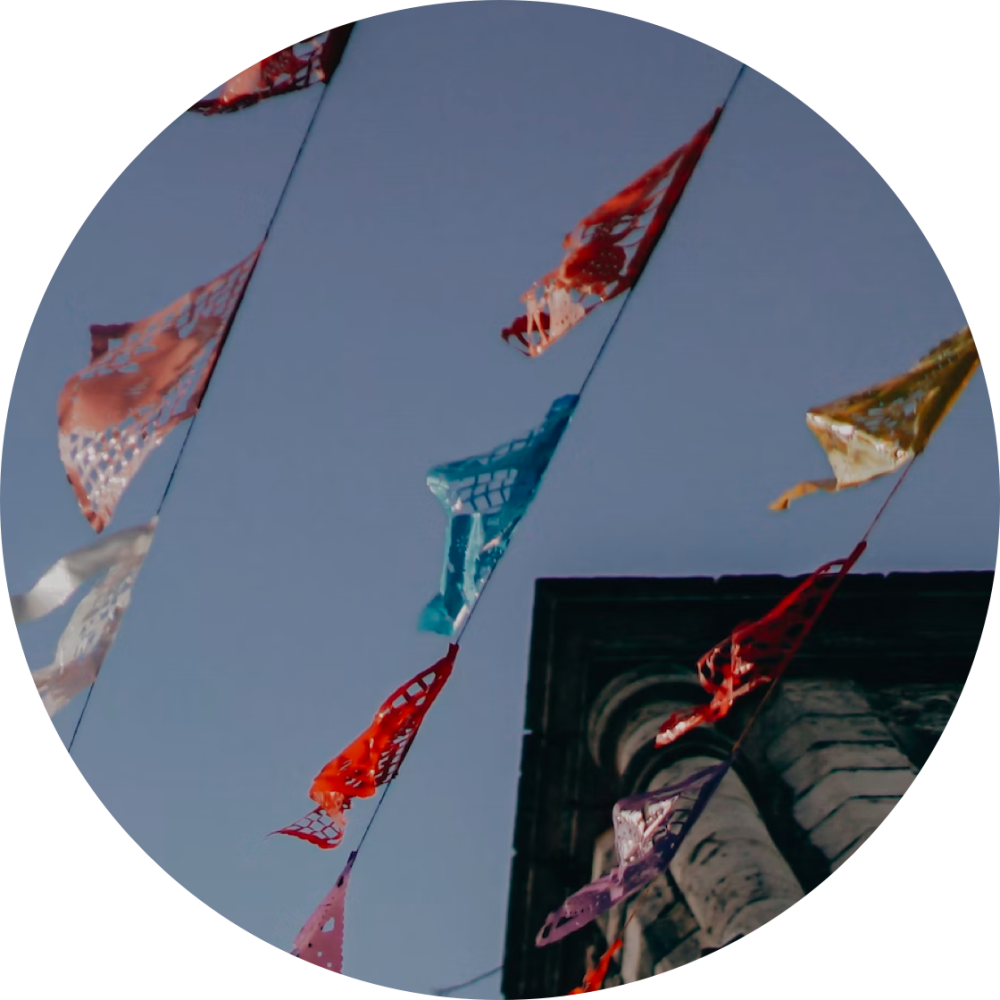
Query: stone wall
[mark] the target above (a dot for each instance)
(842, 768)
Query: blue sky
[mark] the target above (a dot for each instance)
(299, 543)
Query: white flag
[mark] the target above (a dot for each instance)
(71, 572)
(94, 624)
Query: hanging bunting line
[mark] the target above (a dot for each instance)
(445, 991)
(61, 577)
(460, 626)
(267, 232)
(626, 298)
(319, 943)
(635, 823)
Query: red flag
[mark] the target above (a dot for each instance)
(373, 759)
(594, 979)
(294, 68)
(607, 251)
(143, 380)
(758, 653)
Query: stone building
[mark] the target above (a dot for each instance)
(856, 716)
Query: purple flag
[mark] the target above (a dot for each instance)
(649, 829)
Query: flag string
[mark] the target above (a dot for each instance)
(222, 343)
(445, 991)
(892, 493)
(633, 905)
(611, 330)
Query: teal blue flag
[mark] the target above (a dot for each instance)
(485, 498)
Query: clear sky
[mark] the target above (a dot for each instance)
(299, 543)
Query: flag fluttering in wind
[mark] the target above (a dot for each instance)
(649, 829)
(295, 68)
(758, 653)
(61, 581)
(91, 631)
(318, 942)
(594, 978)
(484, 498)
(607, 251)
(373, 759)
(874, 432)
(143, 379)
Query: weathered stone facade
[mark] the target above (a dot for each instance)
(832, 752)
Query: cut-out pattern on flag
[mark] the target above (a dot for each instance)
(593, 979)
(607, 251)
(295, 68)
(321, 940)
(876, 431)
(73, 570)
(143, 380)
(649, 829)
(373, 759)
(92, 628)
(484, 498)
(758, 653)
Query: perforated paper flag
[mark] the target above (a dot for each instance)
(878, 430)
(649, 829)
(72, 571)
(758, 653)
(295, 68)
(607, 251)
(92, 629)
(143, 380)
(373, 759)
(484, 499)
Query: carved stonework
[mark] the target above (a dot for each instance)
(836, 746)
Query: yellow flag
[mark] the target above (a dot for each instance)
(878, 430)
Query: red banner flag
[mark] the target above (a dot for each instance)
(607, 251)
(373, 759)
(294, 68)
(758, 653)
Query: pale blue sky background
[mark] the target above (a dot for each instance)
(278, 606)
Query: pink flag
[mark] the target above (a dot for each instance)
(143, 380)
(321, 940)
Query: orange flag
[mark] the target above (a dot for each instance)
(594, 979)
(373, 759)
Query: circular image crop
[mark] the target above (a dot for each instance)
(535, 509)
